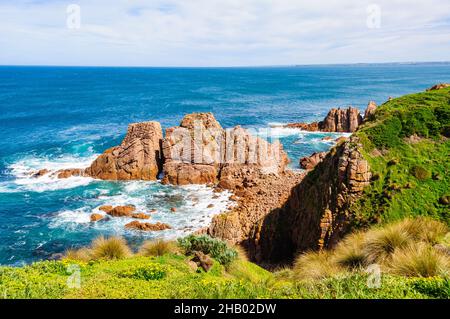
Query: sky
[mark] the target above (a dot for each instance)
(222, 33)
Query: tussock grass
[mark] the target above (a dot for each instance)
(349, 253)
(315, 265)
(424, 229)
(110, 248)
(83, 254)
(419, 260)
(158, 248)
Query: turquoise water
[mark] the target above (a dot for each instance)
(55, 117)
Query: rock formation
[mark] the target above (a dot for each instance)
(337, 120)
(147, 226)
(370, 110)
(200, 151)
(309, 162)
(439, 86)
(318, 211)
(138, 157)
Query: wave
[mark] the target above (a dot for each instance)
(23, 170)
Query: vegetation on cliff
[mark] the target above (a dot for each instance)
(407, 145)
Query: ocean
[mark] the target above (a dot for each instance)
(63, 117)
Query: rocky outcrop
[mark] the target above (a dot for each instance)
(202, 260)
(337, 120)
(138, 157)
(122, 211)
(135, 225)
(200, 151)
(318, 211)
(96, 217)
(439, 86)
(370, 110)
(309, 162)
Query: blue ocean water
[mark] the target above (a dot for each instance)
(61, 117)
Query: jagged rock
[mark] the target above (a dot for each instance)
(106, 208)
(439, 86)
(96, 217)
(309, 162)
(41, 172)
(370, 110)
(317, 213)
(140, 216)
(200, 151)
(341, 120)
(341, 139)
(66, 173)
(147, 226)
(122, 211)
(138, 157)
(337, 120)
(202, 260)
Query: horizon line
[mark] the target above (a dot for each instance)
(223, 67)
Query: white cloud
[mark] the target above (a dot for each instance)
(233, 32)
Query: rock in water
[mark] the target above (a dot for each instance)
(309, 162)
(122, 211)
(341, 120)
(200, 151)
(96, 217)
(147, 226)
(138, 157)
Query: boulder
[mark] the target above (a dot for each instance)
(370, 110)
(96, 217)
(200, 151)
(122, 211)
(309, 162)
(41, 172)
(439, 86)
(147, 226)
(202, 260)
(66, 173)
(106, 208)
(140, 216)
(138, 157)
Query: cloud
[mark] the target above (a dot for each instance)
(223, 33)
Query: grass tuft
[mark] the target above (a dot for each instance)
(315, 265)
(110, 248)
(156, 248)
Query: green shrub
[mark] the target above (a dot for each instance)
(420, 173)
(214, 247)
(436, 287)
(386, 134)
(148, 272)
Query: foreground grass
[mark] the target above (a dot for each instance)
(170, 276)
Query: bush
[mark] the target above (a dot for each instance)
(207, 245)
(149, 272)
(315, 265)
(386, 135)
(349, 253)
(380, 243)
(435, 287)
(109, 248)
(420, 173)
(158, 248)
(418, 260)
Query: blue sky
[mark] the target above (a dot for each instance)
(224, 33)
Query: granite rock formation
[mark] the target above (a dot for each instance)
(309, 162)
(370, 110)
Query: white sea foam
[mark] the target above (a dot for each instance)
(24, 169)
(192, 212)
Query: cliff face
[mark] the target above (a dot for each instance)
(316, 214)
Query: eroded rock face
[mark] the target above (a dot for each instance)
(200, 151)
(138, 157)
(317, 213)
(337, 120)
(309, 162)
(341, 120)
(370, 110)
(147, 226)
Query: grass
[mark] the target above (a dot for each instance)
(315, 265)
(102, 248)
(158, 248)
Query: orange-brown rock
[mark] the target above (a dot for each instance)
(173, 209)
(370, 110)
(309, 162)
(147, 226)
(122, 211)
(106, 208)
(439, 86)
(310, 127)
(66, 173)
(341, 139)
(200, 151)
(138, 157)
(96, 217)
(140, 216)
(41, 172)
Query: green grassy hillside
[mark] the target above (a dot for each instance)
(411, 174)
